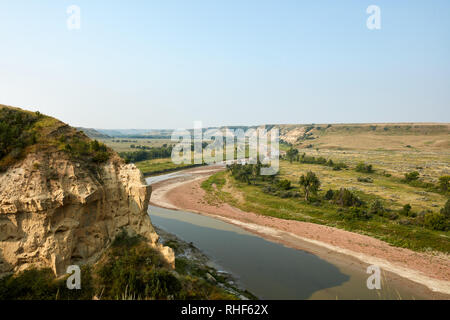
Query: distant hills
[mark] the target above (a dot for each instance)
(369, 136)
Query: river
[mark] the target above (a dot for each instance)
(268, 269)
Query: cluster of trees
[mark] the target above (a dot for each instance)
(439, 221)
(248, 173)
(293, 155)
(413, 178)
(124, 141)
(16, 133)
(149, 154)
(83, 148)
(355, 207)
(344, 198)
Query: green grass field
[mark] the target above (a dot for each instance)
(391, 191)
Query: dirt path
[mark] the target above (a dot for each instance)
(185, 193)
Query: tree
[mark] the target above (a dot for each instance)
(407, 210)
(291, 154)
(310, 184)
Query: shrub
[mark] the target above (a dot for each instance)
(101, 156)
(160, 284)
(365, 179)
(355, 214)
(436, 221)
(287, 194)
(41, 284)
(339, 166)
(444, 183)
(329, 195)
(412, 176)
(362, 167)
(284, 184)
(16, 133)
(291, 154)
(346, 198)
(377, 208)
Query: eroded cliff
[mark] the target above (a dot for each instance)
(58, 210)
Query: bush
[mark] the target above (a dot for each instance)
(412, 176)
(406, 210)
(346, 198)
(80, 147)
(377, 208)
(329, 195)
(355, 214)
(291, 154)
(287, 194)
(101, 157)
(436, 221)
(16, 132)
(339, 166)
(284, 184)
(366, 168)
(365, 179)
(444, 183)
(41, 284)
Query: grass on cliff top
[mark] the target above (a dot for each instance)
(129, 270)
(221, 187)
(23, 132)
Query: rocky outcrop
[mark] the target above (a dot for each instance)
(56, 212)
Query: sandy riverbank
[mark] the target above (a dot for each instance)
(432, 272)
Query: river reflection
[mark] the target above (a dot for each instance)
(269, 270)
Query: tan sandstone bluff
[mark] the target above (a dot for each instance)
(56, 212)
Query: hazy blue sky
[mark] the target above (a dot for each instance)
(166, 63)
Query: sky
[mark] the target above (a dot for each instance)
(167, 63)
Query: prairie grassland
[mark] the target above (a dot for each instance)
(221, 187)
(365, 137)
(392, 190)
(387, 185)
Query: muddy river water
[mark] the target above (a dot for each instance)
(268, 269)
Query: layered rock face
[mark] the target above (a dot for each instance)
(56, 212)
